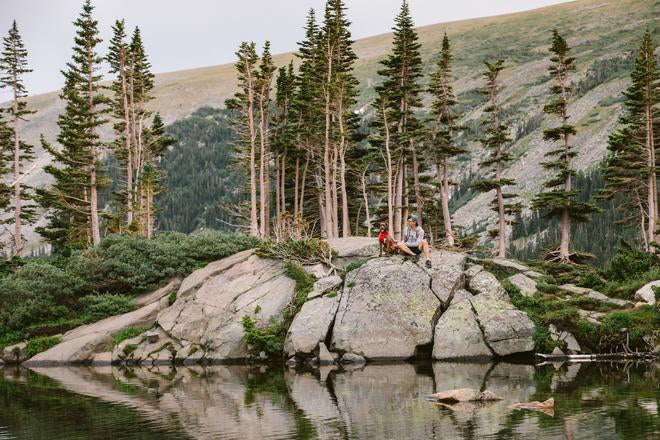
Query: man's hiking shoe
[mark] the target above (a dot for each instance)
(428, 264)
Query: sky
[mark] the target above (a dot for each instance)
(196, 33)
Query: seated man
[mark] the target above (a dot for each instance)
(413, 242)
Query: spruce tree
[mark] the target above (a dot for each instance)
(401, 72)
(13, 65)
(73, 219)
(119, 57)
(496, 140)
(559, 200)
(156, 144)
(243, 120)
(445, 128)
(308, 105)
(338, 90)
(6, 146)
(264, 82)
(631, 168)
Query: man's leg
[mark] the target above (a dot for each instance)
(425, 248)
(405, 248)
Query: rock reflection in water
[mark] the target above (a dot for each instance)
(385, 401)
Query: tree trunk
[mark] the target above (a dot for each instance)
(127, 140)
(278, 213)
(443, 177)
(388, 166)
(366, 202)
(282, 183)
(652, 180)
(418, 191)
(398, 200)
(303, 180)
(295, 187)
(346, 227)
(18, 239)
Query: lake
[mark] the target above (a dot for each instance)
(378, 401)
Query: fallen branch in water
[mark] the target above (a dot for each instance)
(602, 356)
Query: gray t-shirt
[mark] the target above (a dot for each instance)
(413, 237)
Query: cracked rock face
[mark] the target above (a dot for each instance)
(482, 327)
(387, 310)
(211, 314)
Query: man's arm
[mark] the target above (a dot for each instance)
(420, 237)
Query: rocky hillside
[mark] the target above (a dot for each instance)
(602, 32)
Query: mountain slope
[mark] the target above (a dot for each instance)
(602, 32)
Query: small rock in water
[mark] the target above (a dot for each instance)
(547, 406)
(325, 357)
(464, 395)
(557, 352)
(263, 355)
(291, 362)
(352, 358)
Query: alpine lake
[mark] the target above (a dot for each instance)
(597, 400)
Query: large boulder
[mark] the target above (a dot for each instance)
(325, 285)
(353, 248)
(646, 292)
(387, 310)
(590, 293)
(210, 315)
(506, 329)
(14, 354)
(458, 336)
(311, 325)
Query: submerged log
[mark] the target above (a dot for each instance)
(599, 356)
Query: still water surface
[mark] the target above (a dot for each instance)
(592, 401)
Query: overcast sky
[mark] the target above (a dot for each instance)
(182, 34)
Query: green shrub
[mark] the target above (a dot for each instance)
(43, 343)
(307, 251)
(547, 288)
(128, 333)
(101, 306)
(10, 338)
(630, 262)
(171, 298)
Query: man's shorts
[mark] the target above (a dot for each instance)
(415, 249)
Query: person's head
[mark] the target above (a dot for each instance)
(412, 221)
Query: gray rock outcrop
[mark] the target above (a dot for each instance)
(646, 293)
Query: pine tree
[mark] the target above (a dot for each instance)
(264, 81)
(119, 57)
(243, 106)
(338, 90)
(559, 201)
(141, 83)
(155, 145)
(496, 140)
(631, 168)
(13, 65)
(72, 199)
(445, 127)
(402, 70)
(6, 147)
(308, 102)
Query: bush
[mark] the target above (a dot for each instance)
(101, 306)
(37, 345)
(630, 263)
(306, 251)
(128, 333)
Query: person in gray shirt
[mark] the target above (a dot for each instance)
(413, 242)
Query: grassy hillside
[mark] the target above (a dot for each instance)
(602, 32)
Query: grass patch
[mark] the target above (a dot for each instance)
(271, 338)
(43, 343)
(352, 266)
(171, 298)
(128, 333)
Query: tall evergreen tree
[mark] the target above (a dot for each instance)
(631, 169)
(73, 197)
(6, 146)
(338, 87)
(120, 57)
(402, 70)
(308, 104)
(13, 65)
(156, 143)
(559, 201)
(445, 128)
(244, 122)
(496, 140)
(264, 83)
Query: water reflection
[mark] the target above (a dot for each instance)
(603, 401)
